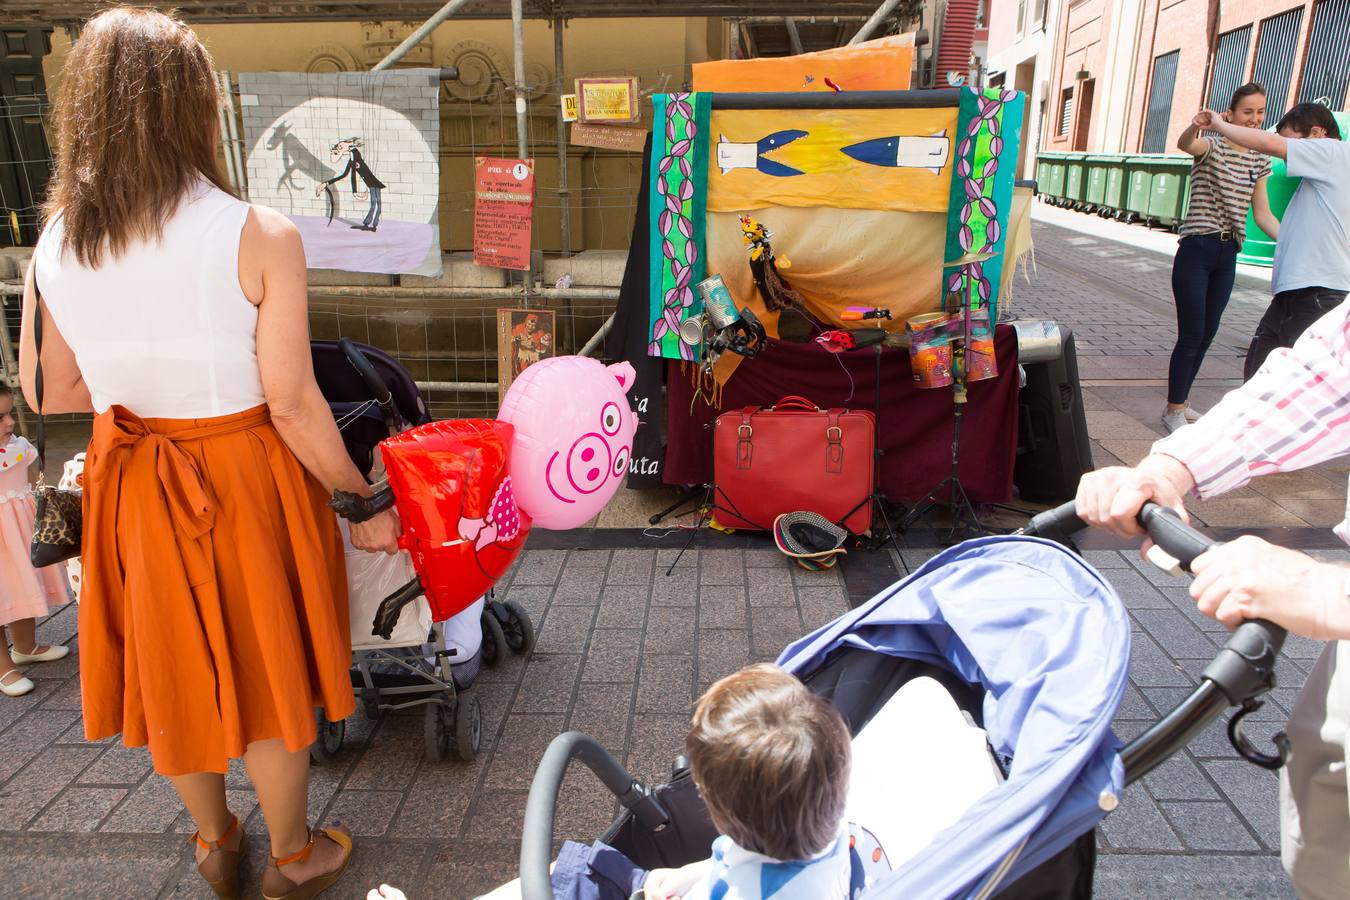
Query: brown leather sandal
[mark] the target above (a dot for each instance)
(220, 868)
(277, 886)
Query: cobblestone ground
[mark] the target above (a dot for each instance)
(624, 649)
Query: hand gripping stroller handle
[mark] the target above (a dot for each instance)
(536, 839)
(355, 508)
(1172, 535)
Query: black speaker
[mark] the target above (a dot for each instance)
(1053, 451)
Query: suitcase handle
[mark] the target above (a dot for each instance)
(795, 401)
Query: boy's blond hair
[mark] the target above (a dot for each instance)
(772, 762)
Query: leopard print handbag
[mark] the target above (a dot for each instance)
(58, 524)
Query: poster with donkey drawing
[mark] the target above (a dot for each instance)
(351, 158)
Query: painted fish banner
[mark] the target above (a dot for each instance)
(894, 159)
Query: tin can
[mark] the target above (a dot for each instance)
(930, 358)
(980, 361)
(717, 302)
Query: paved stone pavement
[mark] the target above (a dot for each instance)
(623, 650)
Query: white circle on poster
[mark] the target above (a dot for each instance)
(292, 156)
(521, 171)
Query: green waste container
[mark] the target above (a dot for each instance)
(1258, 249)
(1074, 179)
(1095, 170)
(1138, 186)
(1114, 199)
(1167, 187)
(1050, 175)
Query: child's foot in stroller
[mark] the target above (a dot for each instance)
(311, 869)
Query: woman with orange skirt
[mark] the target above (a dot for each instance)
(213, 618)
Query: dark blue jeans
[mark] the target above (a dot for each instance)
(1289, 315)
(1202, 279)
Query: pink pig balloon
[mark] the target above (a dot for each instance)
(573, 437)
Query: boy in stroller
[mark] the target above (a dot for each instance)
(771, 760)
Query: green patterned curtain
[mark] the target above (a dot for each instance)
(990, 124)
(678, 209)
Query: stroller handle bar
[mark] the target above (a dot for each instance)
(536, 839)
(384, 397)
(1242, 671)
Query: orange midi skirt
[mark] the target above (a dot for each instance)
(214, 606)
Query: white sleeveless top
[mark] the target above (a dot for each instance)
(164, 329)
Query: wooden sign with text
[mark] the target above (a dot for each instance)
(609, 137)
(503, 212)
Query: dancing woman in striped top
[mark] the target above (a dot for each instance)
(1225, 180)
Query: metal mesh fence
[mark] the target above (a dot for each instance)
(448, 343)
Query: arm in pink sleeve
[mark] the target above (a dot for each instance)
(1294, 413)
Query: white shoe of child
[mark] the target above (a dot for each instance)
(51, 654)
(17, 688)
(1173, 419)
(1190, 414)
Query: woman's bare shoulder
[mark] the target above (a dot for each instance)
(267, 224)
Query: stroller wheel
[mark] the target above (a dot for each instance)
(328, 742)
(436, 730)
(468, 728)
(518, 628)
(494, 639)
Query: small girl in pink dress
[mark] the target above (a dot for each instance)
(25, 592)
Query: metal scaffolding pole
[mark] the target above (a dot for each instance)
(564, 194)
(793, 37)
(420, 34)
(872, 24)
(522, 112)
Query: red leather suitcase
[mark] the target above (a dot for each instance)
(793, 456)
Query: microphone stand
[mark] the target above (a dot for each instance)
(957, 498)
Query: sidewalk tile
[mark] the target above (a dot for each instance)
(1178, 778)
(549, 683)
(1137, 824)
(1209, 826)
(613, 655)
(720, 652)
(666, 685)
(679, 588)
(564, 629)
(631, 566)
(150, 809)
(79, 809)
(670, 629)
(1254, 791)
(721, 606)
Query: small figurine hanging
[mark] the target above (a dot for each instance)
(765, 266)
(794, 322)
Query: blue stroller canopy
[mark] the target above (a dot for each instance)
(1048, 640)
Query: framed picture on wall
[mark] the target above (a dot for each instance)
(524, 336)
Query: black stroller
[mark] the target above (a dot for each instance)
(372, 397)
(1033, 645)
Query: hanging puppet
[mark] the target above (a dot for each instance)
(356, 165)
(794, 322)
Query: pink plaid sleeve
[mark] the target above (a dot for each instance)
(1294, 413)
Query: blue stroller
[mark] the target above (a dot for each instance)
(1034, 645)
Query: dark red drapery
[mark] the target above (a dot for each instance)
(915, 426)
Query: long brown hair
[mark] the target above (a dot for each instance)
(134, 131)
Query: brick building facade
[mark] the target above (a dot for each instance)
(1127, 75)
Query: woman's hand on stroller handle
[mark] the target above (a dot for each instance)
(377, 534)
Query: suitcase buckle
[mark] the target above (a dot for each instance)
(744, 431)
(834, 433)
